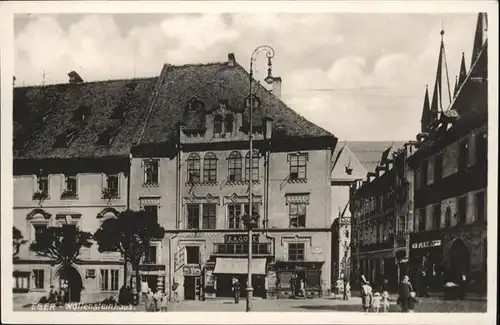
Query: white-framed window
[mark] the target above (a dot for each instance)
(38, 229)
(108, 280)
(151, 174)
(235, 166)
(297, 214)
(255, 166)
(20, 281)
(70, 186)
(112, 185)
(209, 218)
(480, 205)
(150, 256)
(42, 183)
(296, 251)
(210, 167)
(297, 166)
(193, 168)
(90, 273)
(193, 216)
(234, 215)
(193, 255)
(39, 279)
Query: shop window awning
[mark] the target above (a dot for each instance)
(239, 266)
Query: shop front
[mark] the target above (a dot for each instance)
(426, 261)
(227, 269)
(289, 275)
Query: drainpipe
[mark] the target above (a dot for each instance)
(170, 266)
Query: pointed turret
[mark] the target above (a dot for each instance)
(481, 35)
(455, 91)
(426, 112)
(463, 71)
(437, 104)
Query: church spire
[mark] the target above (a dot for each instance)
(481, 35)
(426, 112)
(437, 104)
(463, 71)
(455, 91)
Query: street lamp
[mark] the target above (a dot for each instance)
(251, 218)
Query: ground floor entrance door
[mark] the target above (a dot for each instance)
(191, 287)
(152, 281)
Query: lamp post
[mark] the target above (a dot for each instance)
(251, 218)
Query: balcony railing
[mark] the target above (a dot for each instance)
(236, 249)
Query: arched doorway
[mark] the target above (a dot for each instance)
(71, 277)
(459, 257)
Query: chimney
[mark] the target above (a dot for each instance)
(268, 124)
(277, 87)
(231, 60)
(74, 78)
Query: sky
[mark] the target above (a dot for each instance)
(360, 76)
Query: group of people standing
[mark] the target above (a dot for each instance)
(374, 301)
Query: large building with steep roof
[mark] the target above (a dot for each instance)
(176, 146)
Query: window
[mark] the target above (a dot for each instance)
(193, 216)
(480, 205)
(255, 166)
(436, 216)
(209, 220)
(235, 166)
(109, 280)
(39, 229)
(229, 123)
(43, 183)
(151, 172)
(297, 215)
(39, 279)
(298, 166)
(112, 184)
(234, 216)
(210, 167)
(70, 186)
(255, 208)
(463, 155)
(152, 212)
(447, 217)
(90, 273)
(423, 173)
(422, 220)
(193, 168)
(192, 254)
(481, 148)
(150, 255)
(296, 252)
(218, 124)
(21, 281)
(438, 167)
(461, 209)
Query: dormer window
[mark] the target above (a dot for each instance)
(107, 137)
(229, 123)
(218, 124)
(193, 168)
(64, 139)
(81, 114)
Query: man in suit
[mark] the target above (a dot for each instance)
(405, 289)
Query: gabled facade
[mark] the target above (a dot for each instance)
(190, 164)
(450, 168)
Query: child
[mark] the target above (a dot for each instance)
(385, 301)
(376, 302)
(412, 302)
(163, 302)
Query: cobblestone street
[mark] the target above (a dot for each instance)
(430, 305)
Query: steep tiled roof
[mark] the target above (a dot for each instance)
(210, 83)
(369, 153)
(43, 113)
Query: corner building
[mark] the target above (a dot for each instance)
(191, 166)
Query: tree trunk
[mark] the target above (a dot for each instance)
(125, 269)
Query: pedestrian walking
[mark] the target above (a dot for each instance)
(303, 288)
(346, 283)
(405, 288)
(149, 300)
(385, 301)
(175, 285)
(366, 296)
(376, 302)
(164, 302)
(236, 291)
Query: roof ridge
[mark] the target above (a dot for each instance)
(83, 83)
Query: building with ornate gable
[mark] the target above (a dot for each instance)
(190, 164)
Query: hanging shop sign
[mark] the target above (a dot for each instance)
(240, 238)
(192, 270)
(426, 244)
